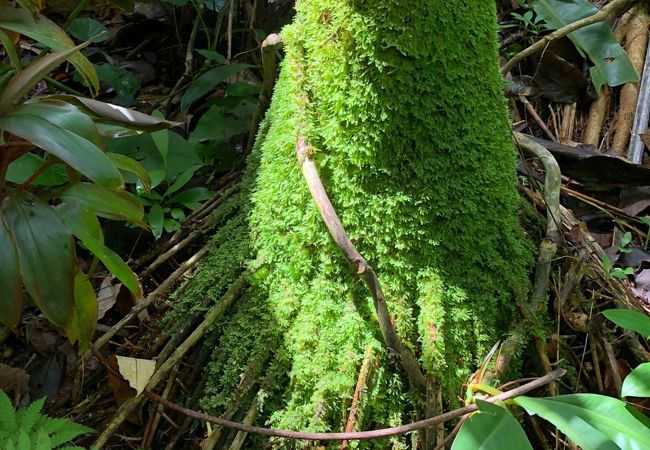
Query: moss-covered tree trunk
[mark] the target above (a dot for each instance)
(402, 102)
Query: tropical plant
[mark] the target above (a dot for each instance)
(57, 179)
(28, 428)
(594, 422)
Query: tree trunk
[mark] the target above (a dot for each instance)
(402, 104)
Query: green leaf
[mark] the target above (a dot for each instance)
(630, 320)
(26, 79)
(85, 29)
(161, 138)
(594, 422)
(27, 418)
(11, 300)
(131, 165)
(181, 180)
(192, 198)
(212, 56)
(208, 81)
(214, 126)
(50, 35)
(84, 225)
(46, 253)
(171, 225)
(82, 326)
(493, 428)
(117, 114)
(24, 167)
(124, 82)
(243, 89)
(23, 440)
(156, 219)
(63, 430)
(81, 154)
(7, 413)
(597, 41)
(64, 115)
(637, 383)
(114, 205)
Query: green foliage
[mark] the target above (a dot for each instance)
(632, 320)
(597, 41)
(29, 428)
(491, 429)
(49, 147)
(594, 422)
(637, 383)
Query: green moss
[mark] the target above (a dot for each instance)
(405, 108)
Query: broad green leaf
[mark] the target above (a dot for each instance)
(156, 219)
(50, 35)
(597, 41)
(124, 83)
(81, 154)
(26, 79)
(64, 115)
(114, 205)
(24, 442)
(214, 126)
(212, 56)
(208, 81)
(171, 225)
(131, 165)
(243, 89)
(117, 114)
(192, 197)
(181, 180)
(82, 326)
(11, 299)
(46, 253)
(85, 29)
(594, 422)
(493, 428)
(161, 138)
(24, 167)
(637, 383)
(84, 225)
(630, 320)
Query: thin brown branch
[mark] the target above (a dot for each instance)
(600, 16)
(359, 435)
(360, 266)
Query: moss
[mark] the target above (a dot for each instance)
(405, 108)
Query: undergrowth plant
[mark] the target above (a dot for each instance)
(29, 429)
(594, 422)
(57, 179)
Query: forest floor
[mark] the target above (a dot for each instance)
(151, 61)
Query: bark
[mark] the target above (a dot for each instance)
(402, 103)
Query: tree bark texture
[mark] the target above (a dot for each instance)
(402, 105)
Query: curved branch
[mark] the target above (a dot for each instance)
(600, 16)
(360, 266)
(358, 435)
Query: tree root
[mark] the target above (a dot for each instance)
(162, 371)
